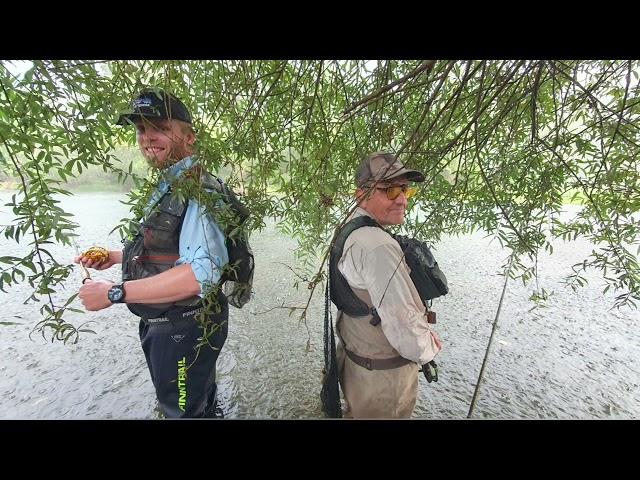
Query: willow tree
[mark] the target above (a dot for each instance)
(502, 143)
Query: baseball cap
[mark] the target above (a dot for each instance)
(155, 104)
(384, 166)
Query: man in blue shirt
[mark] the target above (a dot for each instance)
(172, 265)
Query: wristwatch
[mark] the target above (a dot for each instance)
(116, 294)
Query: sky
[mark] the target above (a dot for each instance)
(17, 67)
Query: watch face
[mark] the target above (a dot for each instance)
(116, 293)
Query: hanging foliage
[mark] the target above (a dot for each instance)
(502, 143)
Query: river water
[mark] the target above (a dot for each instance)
(573, 359)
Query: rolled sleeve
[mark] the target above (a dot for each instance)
(202, 245)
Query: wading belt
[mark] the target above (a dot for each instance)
(377, 363)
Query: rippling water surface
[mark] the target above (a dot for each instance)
(574, 358)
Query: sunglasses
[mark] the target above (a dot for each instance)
(395, 191)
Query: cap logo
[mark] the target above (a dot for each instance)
(142, 102)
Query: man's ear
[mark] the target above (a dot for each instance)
(190, 137)
(361, 195)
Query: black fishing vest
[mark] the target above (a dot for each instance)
(154, 250)
(427, 277)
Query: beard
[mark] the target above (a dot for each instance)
(166, 158)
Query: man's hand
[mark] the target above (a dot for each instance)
(93, 294)
(115, 256)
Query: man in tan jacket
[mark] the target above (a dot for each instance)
(381, 349)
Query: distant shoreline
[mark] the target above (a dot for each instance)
(88, 188)
(118, 188)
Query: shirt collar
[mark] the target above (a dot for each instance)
(176, 170)
(358, 212)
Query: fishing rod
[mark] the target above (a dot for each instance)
(493, 330)
(84, 272)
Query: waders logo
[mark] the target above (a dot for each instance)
(182, 383)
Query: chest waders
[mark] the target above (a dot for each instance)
(429, 280)
(183, 375)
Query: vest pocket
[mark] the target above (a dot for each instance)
(161, 232)
(132, 250)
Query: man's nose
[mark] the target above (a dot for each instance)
(150, 133)
(402, 199)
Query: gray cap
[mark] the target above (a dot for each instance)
(384, 166)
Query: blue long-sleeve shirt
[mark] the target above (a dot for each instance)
(201, 239)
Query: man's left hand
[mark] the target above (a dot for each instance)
(93, 294)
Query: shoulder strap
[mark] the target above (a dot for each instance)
(341, 293)
(347, 229)
(214, 183)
